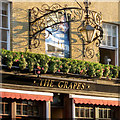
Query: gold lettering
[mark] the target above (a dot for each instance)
(41, 83)
(66, 85)
(75, 84)
(51, 83)
(83, 86)
(45, 82)
(70, 86)
(60, 84)
(48, 83)
(79, 86)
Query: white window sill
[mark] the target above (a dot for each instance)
(108, 47)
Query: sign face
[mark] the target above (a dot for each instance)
(57, 41)
(61, 84)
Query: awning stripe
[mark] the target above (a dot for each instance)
(95, 100)
(29, 95)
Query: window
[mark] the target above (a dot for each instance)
(4, 25)
(109, 45)
(5, 108)
(104, 113)
(84, 112)
(57, 39)
(110, 36)
(30, 108)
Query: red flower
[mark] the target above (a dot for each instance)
(58, 70)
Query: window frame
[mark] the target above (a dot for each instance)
(27, 104)
(3, 110)
(84, 108)
(8, 27)
(115, 48)
(103, 109)
(110, 46)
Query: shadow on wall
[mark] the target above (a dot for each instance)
(20, 26)
(20, 29)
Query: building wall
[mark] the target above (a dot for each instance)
(21, 26)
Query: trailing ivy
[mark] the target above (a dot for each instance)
(41, 63)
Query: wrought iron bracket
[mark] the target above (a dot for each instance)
(49, 16)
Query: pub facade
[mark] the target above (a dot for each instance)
(49, 70)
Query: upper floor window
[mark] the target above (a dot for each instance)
(110, 36)
(4, 25)
(57, 40)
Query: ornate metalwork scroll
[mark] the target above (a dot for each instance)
(50, 16)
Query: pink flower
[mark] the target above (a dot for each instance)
(61, 66)
(58, 70)
(81, 71)
(42, 68)
(98, 70)
(22, 56)
(16, 60)
(38, 67)
(38, 72)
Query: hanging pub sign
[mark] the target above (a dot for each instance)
(62, 84)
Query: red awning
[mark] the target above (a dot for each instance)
(95, 100)
(30, 96)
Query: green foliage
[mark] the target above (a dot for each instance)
(42, 64)
(22, 62)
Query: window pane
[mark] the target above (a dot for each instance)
(4, 8)
(104, 40)
(30, 110)
(109, 40)
(105, 113)
(18, 110)
(114, 41)
(87, 113)
(82, 112)
(0, 20)
(24, 109)
(109, 30)
(2, 108)
(6, 108)
(4, 21)
(77, 112)
(100, 113)
(0, 7)
(114, 31)
(92, 113)
(4, 45)
(109, 113)
(4, 35)
(35, 110)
